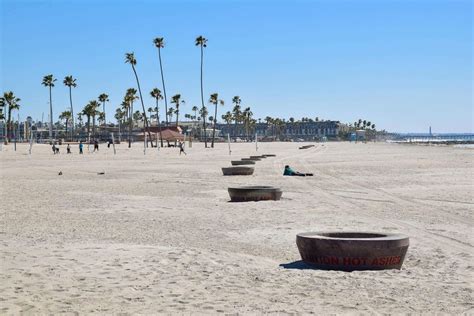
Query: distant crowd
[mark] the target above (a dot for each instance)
(96, 147)
(81, 148)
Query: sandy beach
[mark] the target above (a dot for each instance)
(156, 233)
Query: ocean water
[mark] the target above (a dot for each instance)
(468, 146)
(442, 137)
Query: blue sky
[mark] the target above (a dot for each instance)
(402, 64)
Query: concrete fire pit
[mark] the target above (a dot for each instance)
(254, 193)
(237, 171)
(258, 157)
(269, 155)
(251, 159)
(242, 162)
(349, 251)
(306, 146)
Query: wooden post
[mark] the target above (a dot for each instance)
(31, 142)
(256, 142)
(113, 143)
(157, 145)
(228, 141)
(144, 144)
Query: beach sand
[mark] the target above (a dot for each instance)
(156, 233)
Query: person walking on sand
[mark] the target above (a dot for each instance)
(96, 145)
(68, 148)
(181, 148)
(81, 147)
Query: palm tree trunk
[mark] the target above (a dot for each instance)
(119, 131)
(159, 124)
(103, 108)
(130, 123)
(164, 90)
(202, 97)
(93, 127)
(67, 121)
(177, 115)
(50, 116)
(204, 127)
(143, 106)
(214, 127)
(89, 128)
(9, 125)
(72, 112)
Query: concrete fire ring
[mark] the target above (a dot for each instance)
(254, 193)
(242, 162)
(251, 159)
(350, 251)
(238, 171)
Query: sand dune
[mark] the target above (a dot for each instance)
(156, 233)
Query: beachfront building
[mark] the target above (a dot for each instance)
(311, 130)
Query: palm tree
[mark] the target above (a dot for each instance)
(70, 82)
(9, 99)
(104, 98)
(89, 110)
(202, 42)
(176, 99)
(94, 113)
(150, 111)
(227, 117)
(247, 116)
(236, 111)
(2, 108)
(119, 116)
(156, 94)
(66, 116)
(203, 112)
(48, 81)
(101, 118)
(170, 112)
(130, 97)
(195, 109)
(2, 117)
(160, 43)
(137, 116)
(79, 118)
(214, 99)
(130, 59)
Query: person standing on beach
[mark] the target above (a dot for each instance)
(181, 148)
(68, 148)
(81, 147)
(96, 145)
